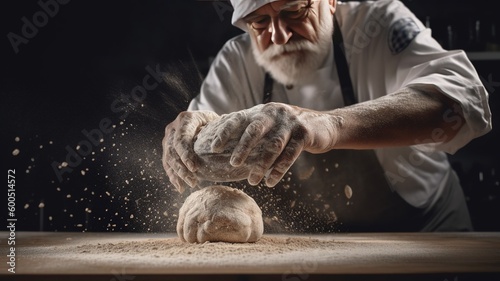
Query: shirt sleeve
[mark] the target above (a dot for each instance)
(456, 78)
(391, 45)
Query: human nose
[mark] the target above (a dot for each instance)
(280, 34)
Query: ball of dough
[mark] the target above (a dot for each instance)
(215, 167)
(220, 214)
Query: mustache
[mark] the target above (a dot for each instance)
(293, 46)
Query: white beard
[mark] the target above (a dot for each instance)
(288, 69)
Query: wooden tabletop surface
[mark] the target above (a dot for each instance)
(356, 253)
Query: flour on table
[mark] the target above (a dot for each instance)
(220, 214)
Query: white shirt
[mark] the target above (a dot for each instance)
(418, 173)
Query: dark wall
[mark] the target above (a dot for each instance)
(473, 26)
(85, 139)
(70, 85)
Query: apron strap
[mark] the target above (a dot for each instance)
(373, 207)
(268, 88)
(342, 69)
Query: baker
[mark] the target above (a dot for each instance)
(359, 106)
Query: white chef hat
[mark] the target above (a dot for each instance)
(243, 8)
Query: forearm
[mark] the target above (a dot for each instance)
(406, 118)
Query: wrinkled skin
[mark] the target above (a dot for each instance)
(277, 132)
(280, 132)
(179, 159)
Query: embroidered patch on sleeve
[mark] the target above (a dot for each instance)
(401, 33)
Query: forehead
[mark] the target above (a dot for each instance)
(279, 5)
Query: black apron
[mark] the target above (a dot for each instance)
(341, 190)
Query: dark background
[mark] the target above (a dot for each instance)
(90, 54)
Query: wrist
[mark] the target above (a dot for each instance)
(324, 129)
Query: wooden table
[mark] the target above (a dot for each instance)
(357, 256)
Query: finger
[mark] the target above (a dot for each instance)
(166, 155)
(272, 150)
(229, 128)
(180, 170)
(179, 184)
(284, 162)
(250, 138)
(180, 176)
(183, 139)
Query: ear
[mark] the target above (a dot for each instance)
(333, 6)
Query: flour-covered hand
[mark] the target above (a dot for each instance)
(179, 160)
(280, 132)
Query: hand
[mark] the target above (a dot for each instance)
(280, 133)
(179, 160)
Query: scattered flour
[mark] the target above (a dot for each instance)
(175, 256)
(174, 247)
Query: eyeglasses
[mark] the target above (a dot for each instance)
(290, 11)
